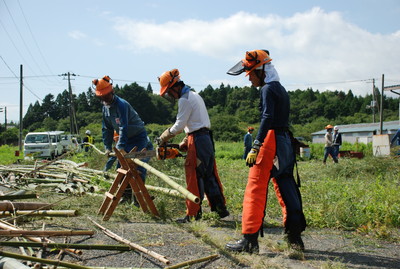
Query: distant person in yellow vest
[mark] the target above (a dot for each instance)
(88, 139)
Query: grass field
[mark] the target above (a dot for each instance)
(355, 194)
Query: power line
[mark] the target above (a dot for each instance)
(22, 38)
(34, 39)
(17, 78)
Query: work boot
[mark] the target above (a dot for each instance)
(294, 241)
(218, 205)
(187, 218)
(249, 243)
(222, 211)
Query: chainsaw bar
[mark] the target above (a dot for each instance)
(140, 154)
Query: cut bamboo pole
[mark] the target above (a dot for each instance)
(46, 261)
(23, 206)
(15, 233)
(64, 245)
(187, 194)
(187, 263)
(52, 213)
(7, 226)
(130, 244)
(171, 192)
(18, 197)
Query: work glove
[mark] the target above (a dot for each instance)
(165, 136)
(252, 155)
(183, 146)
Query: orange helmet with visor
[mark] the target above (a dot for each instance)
(254, 59)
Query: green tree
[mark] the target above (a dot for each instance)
(225, 128)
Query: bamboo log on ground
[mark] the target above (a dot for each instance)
(165, 190)
(43, 180)
(102, 267)
(187, 194)
(187, 263)
(131, 244)
(20, 192)
(64, 245)
(52, 213)
(47, 233)
(45, 261)
(18, 197)
(11, 206)
(7, 226)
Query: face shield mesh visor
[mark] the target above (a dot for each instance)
(237, 69)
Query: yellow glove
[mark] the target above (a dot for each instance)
(165, 136)
(251, 157)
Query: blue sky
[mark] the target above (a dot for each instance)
(326, 45)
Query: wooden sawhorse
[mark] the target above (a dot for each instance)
(127, 175)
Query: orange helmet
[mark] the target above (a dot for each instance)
(328, 127)
(168, 79)
(254, 59)
(103, 86)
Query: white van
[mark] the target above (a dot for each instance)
(43, 144)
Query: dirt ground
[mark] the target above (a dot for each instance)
(325, 248)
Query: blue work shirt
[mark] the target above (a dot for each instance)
(274, 109)
(121, 117)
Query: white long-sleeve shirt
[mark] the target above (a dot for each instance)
(192, 114)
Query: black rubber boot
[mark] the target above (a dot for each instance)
(217, 205)
(249, 243)
(294, 241)
(187, 218)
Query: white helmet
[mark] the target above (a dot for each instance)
(336, 128)
(87, 132)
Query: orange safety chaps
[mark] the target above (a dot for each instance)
(255, 196)
(191, 177)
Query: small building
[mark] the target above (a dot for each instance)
(361, 133)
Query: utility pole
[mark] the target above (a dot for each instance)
(20, 107)
(381, 112)
(5, 118)
(72, 114)
(373, 100)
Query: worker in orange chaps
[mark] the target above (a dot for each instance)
(271, 157)
(255, 197)
(192, 173)
(200, 167)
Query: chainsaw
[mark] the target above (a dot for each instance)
(163, 152)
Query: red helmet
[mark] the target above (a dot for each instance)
(103, 86)
(168, 79)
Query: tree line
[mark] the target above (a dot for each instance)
(231, 109)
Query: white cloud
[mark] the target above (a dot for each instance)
(77, 35)
(310, 47)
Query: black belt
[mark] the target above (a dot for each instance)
(203, 130)
(280, 130)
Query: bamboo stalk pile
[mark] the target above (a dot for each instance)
(62, 176)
